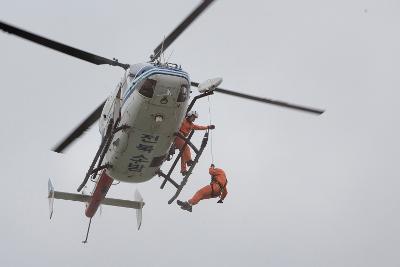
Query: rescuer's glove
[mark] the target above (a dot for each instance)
(211, 127)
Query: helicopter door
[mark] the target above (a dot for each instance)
(111, 110)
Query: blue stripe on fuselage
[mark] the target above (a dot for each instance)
(150, 72)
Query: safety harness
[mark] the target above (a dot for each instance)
(222, 188)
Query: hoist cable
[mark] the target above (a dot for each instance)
(211, 139)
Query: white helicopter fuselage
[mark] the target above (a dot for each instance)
(151, 100)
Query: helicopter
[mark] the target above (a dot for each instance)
(139, 120)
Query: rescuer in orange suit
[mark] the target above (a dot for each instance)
(216, 188)
(186, 127)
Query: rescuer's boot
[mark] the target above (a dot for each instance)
(184, 205)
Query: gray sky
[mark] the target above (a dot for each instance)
(303, 190)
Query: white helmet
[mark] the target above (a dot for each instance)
(192, 113)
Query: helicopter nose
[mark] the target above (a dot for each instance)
(162, 95)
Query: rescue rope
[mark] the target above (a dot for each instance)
(211, 139)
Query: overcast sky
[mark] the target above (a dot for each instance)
(304, 190)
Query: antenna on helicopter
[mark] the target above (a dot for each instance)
(87, 233)
(179, 29)
(170, 55)
(162, 57)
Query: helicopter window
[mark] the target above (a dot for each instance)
(147, 88)
(183, 93)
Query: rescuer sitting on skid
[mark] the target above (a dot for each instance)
(186, 127)
(217, 188)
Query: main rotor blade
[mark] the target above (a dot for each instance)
(66, 49)
(92, 118)
(266, 100)
(180, 28)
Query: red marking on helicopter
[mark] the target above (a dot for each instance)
(103, 185)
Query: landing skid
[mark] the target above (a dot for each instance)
(112, 129)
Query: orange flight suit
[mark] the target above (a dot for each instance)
(217, 187)
(185, 129)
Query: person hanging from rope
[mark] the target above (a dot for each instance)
(186, 127)
(217, 188)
